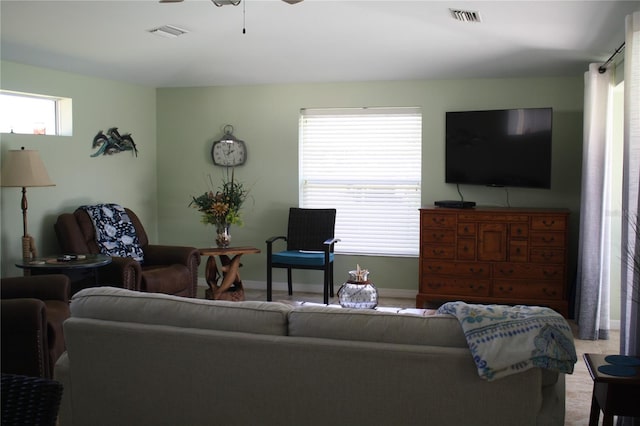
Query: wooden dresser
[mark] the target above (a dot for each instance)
(494, 255)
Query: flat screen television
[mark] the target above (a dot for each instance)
(508, 147)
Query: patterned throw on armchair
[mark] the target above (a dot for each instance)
(137, 264)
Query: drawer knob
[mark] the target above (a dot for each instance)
(506, 289)
(547, 223)
(435, 268)
(550, 274)
(438, 236)
(550, 293)
(434, 285)
(476, 271)
(438, 252)
(548, 240)
(506, 271)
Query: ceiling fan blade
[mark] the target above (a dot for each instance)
(292, 1)
(171, 1)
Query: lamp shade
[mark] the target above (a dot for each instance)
(24, 168)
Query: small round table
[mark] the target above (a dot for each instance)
(231, 286)
(72, 268)
(614, 395)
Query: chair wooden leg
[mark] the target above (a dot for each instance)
(289, 281)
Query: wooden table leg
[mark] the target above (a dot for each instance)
(211, 273)
(229, 272)
(595, 410)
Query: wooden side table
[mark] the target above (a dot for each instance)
(76, 269)
(613, 395)
(230, 287)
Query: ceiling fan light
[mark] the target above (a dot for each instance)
(221, 3)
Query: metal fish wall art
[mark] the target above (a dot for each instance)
(113, 142)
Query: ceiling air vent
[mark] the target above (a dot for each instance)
(168, 31)
(465, 15)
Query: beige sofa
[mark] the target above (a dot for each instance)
(153, 359)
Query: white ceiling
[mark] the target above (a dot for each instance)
(312, 41)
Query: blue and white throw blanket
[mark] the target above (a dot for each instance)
(506, 340)
(115, 233)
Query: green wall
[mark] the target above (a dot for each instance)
(174, 129)
(121, 178)
(266, 118)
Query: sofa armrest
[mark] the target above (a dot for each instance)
(24, 337)
(43, 287)
(122, 272)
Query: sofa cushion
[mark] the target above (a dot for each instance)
(374, 326)
(117, 304)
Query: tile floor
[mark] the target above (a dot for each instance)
(578, 384)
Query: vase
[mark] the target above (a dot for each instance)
(358, 292)
(223, 237)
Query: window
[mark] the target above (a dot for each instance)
(366, 163)
(34, 114)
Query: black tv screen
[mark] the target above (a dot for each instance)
(509, 147)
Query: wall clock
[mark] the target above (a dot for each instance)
(229, 151)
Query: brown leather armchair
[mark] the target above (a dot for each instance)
(165, 269)
(33, 310)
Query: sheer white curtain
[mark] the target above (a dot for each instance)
(630, 285)
(592, 290)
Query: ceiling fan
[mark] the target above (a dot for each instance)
(221, 3)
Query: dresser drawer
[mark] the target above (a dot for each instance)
(458, 269)
(518, 251)
(542, 255)
(549, 223)
(466, 229)
(528, 271)
(438, 220)
(512, 289)
(455, 286)
(518, 230)
(547, 239)
(430, 251)
(466, 249)
(432, 235)
(493, 217)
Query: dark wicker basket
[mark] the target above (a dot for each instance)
(29, 400)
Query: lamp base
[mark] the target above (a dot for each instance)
(28, 248)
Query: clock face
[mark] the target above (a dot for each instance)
(229, 153)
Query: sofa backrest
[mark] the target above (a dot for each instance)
(121, 305)
(374, 326)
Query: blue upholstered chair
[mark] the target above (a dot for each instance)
(310, 240)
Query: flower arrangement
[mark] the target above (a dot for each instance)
(223, 206)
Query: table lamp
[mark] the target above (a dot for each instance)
(24, 168)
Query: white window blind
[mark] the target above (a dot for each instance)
(366, 163)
